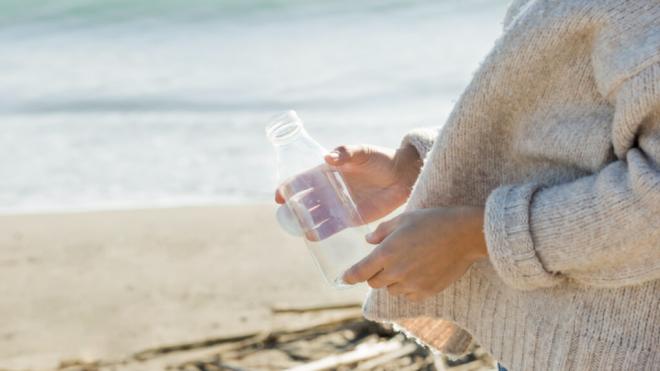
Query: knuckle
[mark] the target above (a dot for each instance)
(364, 153)
(382, 255)
(356, 272)
(344, 151)
(398, 276)
(362, 271)
(375, 283)
(390, 224)
(379, 230)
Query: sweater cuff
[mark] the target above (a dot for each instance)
(510, 241)
(421, 139)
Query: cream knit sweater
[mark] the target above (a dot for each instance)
(558, 135)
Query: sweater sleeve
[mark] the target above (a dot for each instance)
(601, 230)
(421, 139)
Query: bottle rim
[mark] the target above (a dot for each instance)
(284, 127)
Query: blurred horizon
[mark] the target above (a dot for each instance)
(126, 104)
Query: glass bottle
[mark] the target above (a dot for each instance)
(318, 199)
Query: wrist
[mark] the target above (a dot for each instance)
(478, 247)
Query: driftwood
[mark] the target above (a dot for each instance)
(361, 353)
(405, 350)
(159, 351)
(281, 309)
(345, 341)
(245, 340)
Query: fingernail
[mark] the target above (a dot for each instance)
(369, 236)
(334, 155)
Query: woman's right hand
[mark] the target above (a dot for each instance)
(380, 179)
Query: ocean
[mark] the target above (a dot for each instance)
(130, 104)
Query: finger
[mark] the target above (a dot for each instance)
(348, 154)
(333, 158)
(383, 230)
(365, 268)
(381, 279)
(278, 197)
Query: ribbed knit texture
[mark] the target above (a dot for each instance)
(558, 136)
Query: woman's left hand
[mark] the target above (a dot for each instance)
(422, 252)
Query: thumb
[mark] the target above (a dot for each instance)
(349, 154)
(383, 230)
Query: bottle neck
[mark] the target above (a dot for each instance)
(295, 150)
(285, 129)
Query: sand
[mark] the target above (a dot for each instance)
(104, 285)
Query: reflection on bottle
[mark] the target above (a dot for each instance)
(314, 198)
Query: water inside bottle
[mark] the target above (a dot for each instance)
(331, 224)
(337, 253)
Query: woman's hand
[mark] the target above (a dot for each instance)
(380, 179)
(422, 252)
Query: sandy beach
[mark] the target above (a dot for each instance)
(103, 285)
(153, 104)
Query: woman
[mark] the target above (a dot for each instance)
(533, 225)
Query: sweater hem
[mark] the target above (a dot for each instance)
(518, 337)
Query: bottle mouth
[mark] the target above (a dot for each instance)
(284, 127)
